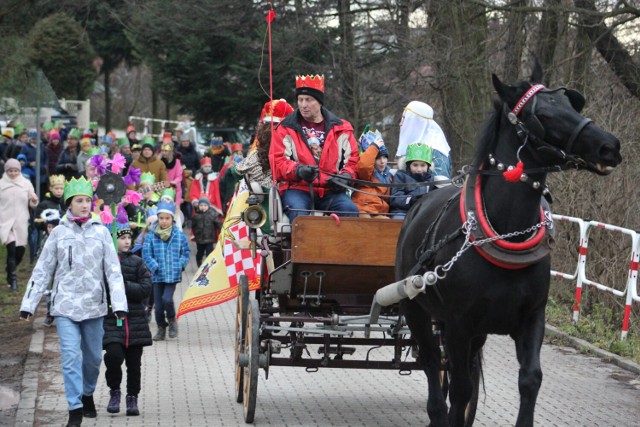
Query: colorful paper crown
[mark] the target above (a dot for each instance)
(236, 146)
(78, 187)
(58, 124)
(122, 142)
(56, 180)
(8, 133)
(122, 229)
(166, 207)
(217, 141)
(367, 138)
(19, 127)
(93, 125)
(168, 192)
(313, 82)
(47, 126)
(419, 151)
(147, 178)
(75, 133)
(148, 140)
(94, 151)
(275, 111)
(205, 161)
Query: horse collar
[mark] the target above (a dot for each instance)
(496, 250)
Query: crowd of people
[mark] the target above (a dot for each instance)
(174, 195)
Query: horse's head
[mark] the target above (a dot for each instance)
(556, 131)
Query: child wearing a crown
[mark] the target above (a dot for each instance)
(80, 296)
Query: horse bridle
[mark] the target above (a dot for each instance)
(532, 128)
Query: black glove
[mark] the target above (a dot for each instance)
(25, 315)
(335, 181)
(307, 172)
(121, 315)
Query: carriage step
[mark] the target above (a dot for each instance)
(334, 350)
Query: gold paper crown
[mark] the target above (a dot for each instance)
(76, 187)
(56, 180)
(314, 82)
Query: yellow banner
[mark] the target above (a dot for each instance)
(216, 280)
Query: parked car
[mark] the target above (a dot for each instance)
(203, 135)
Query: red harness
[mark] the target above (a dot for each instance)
(504, 254)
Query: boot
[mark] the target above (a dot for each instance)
(114, 403)
(173, 329)
(160, 335)
(132, 405)
(75, 418)
(88, 407)
(11, 274)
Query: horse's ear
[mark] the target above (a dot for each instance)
(500, 87)
(536, 73)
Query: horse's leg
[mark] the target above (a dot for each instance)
(461, 385)
(528, 343)
(419, 323)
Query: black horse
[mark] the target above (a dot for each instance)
(486, 245)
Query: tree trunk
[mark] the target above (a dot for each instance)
(548, 37)
(515, 41)
(609, 46)
(107, 101)
(459, 37)
(348, 64)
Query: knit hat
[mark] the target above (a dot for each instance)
(12, 164)
(33, 133)
(166, 207)
(130, 129)
(204, 200)
(312, 86)
(54, 134)
(122, 229)
(275, 111)
(50, 216)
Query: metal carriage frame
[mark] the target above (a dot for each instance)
(319, 276)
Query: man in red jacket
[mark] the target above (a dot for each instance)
(306, 147)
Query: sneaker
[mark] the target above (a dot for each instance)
(173, 329)
(160, 335)
(88, 407)
(114, 403)
(48, 321)
(132, 405)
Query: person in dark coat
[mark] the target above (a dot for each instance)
(204, 225)
(124, 339)
(190, 156)
(68, 160)
(418, 161)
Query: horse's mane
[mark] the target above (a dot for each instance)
(488, 137)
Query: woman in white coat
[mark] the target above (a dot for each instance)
(16, 196)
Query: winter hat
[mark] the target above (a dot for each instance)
(130, 129)
(51, 216)
(122, 229)
(204, 200)
(275, 111)
(236, 146)
(33, 133)
(312, 86)
(166, 207)
(205, 161)
(54, 134)
(12, 164)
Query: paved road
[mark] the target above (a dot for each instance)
(189, 381)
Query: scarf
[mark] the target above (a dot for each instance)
(76, 219)
(164, 233)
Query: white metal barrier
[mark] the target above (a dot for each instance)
(630, 291)
(147, 121)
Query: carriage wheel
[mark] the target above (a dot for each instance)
(251, 348)
(242, 303)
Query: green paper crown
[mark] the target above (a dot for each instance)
(123, 141)
(168, 192)
(57, 124)
(77, 187)
(147, 178)
(419, 151)
(47, 126)
(93, 125)
(94, 151)
(19, 127)
(148, 140)
(75, 133)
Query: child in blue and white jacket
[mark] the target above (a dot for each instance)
(166, 253)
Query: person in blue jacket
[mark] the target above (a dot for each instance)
(418, 162)
(166, 253)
